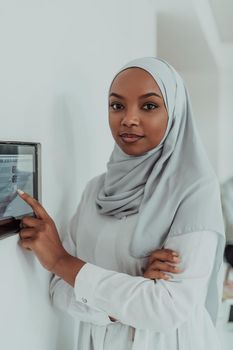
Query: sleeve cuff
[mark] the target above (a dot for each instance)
(86, 283)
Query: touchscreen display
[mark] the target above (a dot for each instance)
(18, 169)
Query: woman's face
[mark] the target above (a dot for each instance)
(136, 107)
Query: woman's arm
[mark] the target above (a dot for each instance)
(62, 296)
(62, 293)
(142, 303)
(40, 235)
(135, 301)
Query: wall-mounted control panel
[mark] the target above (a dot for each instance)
(20, 167)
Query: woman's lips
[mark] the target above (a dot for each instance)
(130, 138)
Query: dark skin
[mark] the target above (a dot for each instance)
(129, 113)
(146, 116)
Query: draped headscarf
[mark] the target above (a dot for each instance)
(173, 186)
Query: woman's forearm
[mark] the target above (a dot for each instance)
(67, 268)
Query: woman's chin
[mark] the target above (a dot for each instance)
(131, 149)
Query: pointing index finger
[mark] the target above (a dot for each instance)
(40, 212)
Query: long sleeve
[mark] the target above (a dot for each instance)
(62, 294)
(142, 303)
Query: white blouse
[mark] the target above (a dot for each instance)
(161, 314)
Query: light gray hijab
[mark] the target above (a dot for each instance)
(172, 187)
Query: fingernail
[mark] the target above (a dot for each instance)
(20, 191)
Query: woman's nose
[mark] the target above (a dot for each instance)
(130, 118)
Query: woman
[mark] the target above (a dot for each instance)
(159, 195)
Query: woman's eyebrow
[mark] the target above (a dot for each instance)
(142, 96)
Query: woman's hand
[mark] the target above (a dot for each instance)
(40, 235)
(161, 261)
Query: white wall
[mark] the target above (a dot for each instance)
(57, 60)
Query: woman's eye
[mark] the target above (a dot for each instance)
(148, 106)
(151, 106)
(118, 105)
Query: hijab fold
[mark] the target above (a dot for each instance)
(172, 187)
